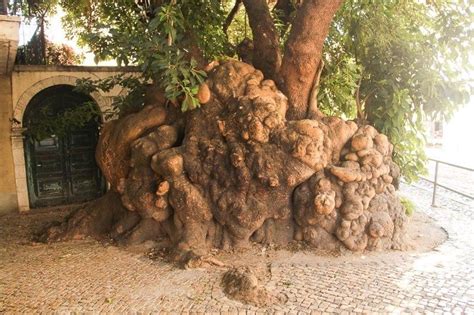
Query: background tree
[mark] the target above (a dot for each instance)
(39, 50)
(35, 11)
(397, 63)
(56, 54)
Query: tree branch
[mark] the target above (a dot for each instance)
(265, 38)
(313, 111)
(303, 52)
(231, 16)
(284, 9)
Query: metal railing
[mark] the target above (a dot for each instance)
(436, 184)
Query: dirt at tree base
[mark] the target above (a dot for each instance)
(242, 284)
(236, 171)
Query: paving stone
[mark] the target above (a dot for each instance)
(87, 277)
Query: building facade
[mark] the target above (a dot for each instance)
(54, 170)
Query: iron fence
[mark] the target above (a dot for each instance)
(436, 184)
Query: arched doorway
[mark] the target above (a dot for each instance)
(61, 169)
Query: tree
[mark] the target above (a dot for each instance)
(56, 54)
(39, 50)
(220, 154)
(37, 11)
(393, 63)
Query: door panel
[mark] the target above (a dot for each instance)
(84, 176)
(47, 183)
(50, 190)
(61, 170)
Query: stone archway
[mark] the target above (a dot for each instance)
(103, 102)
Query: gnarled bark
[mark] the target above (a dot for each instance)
(303, 52)
(243, 173)
(113, 150)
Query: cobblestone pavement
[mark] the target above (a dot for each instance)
(89, 277)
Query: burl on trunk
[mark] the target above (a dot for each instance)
(237, 171)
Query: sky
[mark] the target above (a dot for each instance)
(458, 138)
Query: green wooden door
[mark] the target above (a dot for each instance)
(62, 170)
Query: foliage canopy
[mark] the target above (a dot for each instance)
(391, 63)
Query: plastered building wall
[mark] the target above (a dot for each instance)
(8, 195)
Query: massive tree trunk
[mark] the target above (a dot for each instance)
(303, 53)
(248, 165)
(236, 171)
